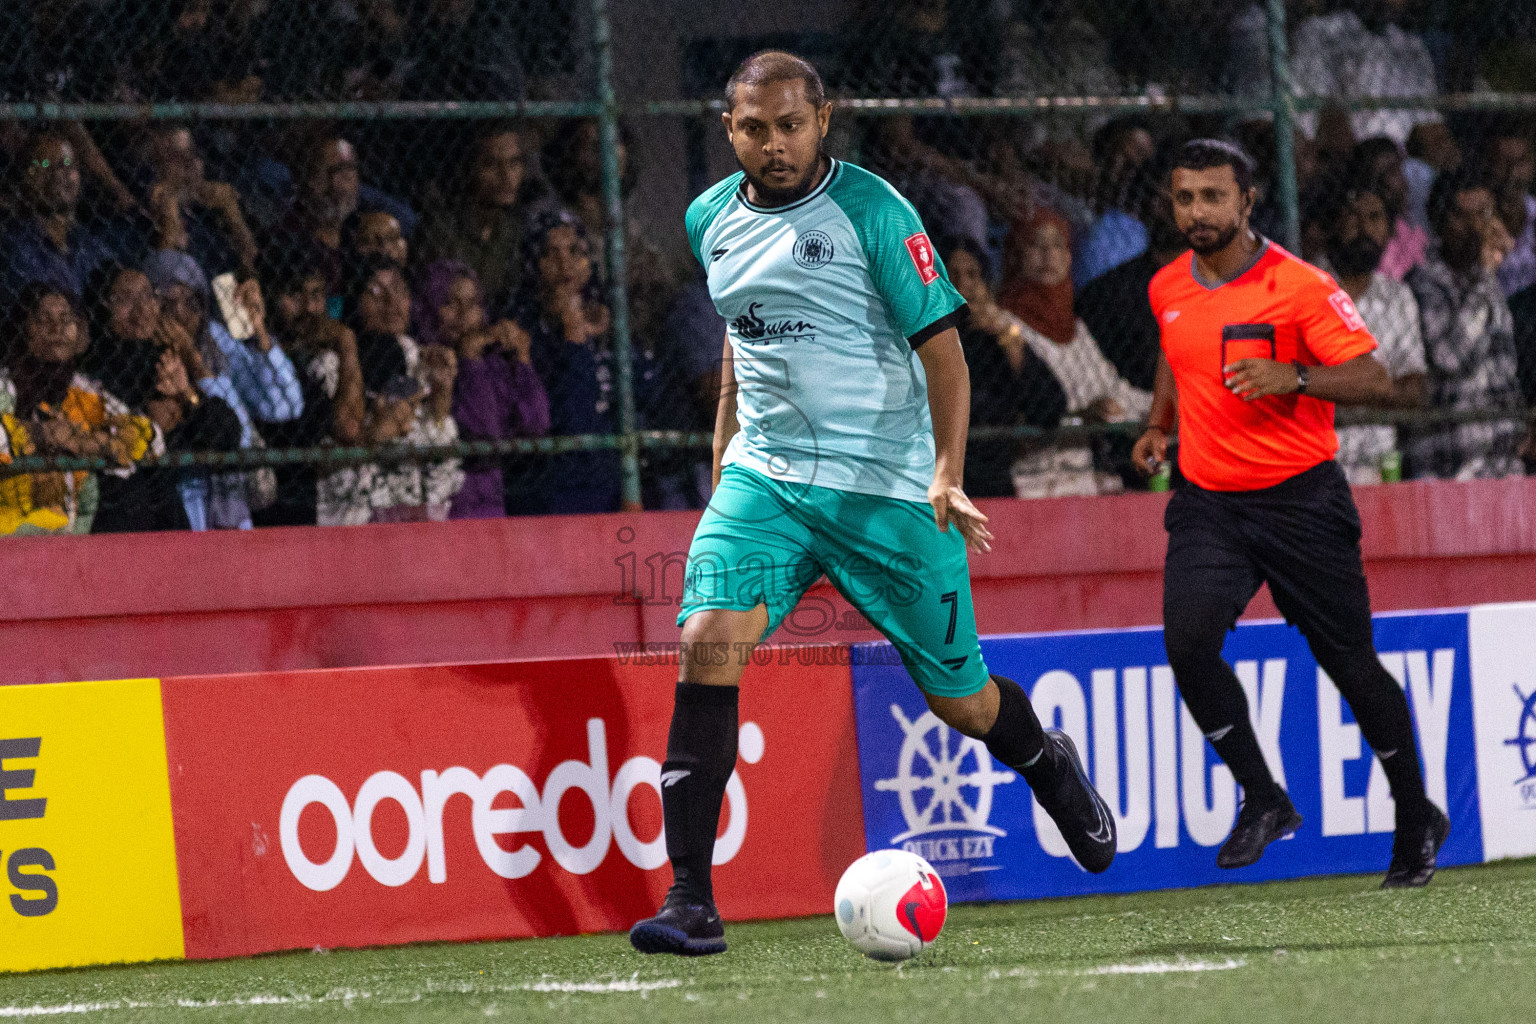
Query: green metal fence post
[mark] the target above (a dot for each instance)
(1285, 127)
(618, 296)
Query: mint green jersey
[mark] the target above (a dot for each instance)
(826, 301)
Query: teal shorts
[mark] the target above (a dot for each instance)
(765, 541)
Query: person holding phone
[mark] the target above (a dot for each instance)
(1257, 347)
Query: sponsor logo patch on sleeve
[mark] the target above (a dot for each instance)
(1345, 306)
(921, 251)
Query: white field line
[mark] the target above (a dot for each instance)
(632, 984)
(1145, 967)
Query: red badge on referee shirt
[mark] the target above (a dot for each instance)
(921, 251)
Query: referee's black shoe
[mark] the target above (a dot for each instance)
(1080, 813)
(1259, 823)
(1414, 846)
(686, 924)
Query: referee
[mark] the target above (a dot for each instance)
(1257, 346)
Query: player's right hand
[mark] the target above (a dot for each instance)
(1151, 451)
(950, 505)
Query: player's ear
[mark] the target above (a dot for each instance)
(824, 117)
(725, 119)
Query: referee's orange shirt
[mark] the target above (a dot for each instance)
(1280, 308)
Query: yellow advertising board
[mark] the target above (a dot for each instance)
(87, 854)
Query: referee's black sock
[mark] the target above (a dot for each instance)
(701, 754)
(1016, 738)
(1215, 699)
(1381, 709)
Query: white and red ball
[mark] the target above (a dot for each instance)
(890, 904)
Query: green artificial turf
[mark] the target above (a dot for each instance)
(1334, 949)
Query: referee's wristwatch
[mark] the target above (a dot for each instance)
(1301, 377)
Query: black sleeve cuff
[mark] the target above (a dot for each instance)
(955, 319)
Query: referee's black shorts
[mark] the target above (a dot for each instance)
(1301, 536)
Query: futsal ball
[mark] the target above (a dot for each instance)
(890, 904)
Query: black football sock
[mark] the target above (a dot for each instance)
(1381, 709)
(1016, 738)
(701, 754)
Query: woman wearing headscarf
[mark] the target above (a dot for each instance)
(409, 392)
(49, 407)
(1037, 289)
(1010, 385)
(497, 393)
(562, 310)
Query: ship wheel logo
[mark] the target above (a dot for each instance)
(1524, 739)
(943, 780)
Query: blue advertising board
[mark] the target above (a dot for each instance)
(931, 790)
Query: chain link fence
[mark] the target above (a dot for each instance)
(288, 261)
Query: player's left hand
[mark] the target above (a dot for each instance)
(950, 505)
(1249, 379)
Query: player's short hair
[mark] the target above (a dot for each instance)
(767, 66)
(1204, 154)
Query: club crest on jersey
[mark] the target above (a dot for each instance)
(1345, 306)
(921, 251)
(813, 250)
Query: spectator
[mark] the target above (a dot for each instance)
(573, 161)
(562, 310)
(410, 397)
(1522, 308)
(1376, 165)
(1010, 385)
(330, 192)
(486, 225)
(1358, 228)
(1432, 150)
(692, 343)
(48, 243)
(331, 379)
(374, 233)
(1468, 336)
(1122, 151)
(153, 363)
(920, 48)
(1114, 305)
(1038, 290)
(934, 183)
(192, 214)
(497, 394)
(255, 379)
(466, 50)
(49, 407)
(1344, 55)
(1510, 167)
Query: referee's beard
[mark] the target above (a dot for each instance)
(769, 196)
(1206, 240)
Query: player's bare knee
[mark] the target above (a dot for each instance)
(716, 644)
(971, 716)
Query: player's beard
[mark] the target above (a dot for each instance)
(1224, 238)
(769, 196)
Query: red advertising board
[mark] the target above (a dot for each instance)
(361, 807)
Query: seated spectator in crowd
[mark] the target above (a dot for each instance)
(573, 162)
(49, 407)
(47, 243)
(254, 378)
(1510, 168)
(497, 394)
(562, 310)
(484, 224)
(329, 191)
(1010, 385)
(331, 379)
(692, 345)
(1376, 165)
(190, 213)
(1358, 226)
(374, 233)
(409, 397)
(1344, 55)
(1122, 150)
(1432, 150)
(1114, 306)
(1038, 290)
(1468, 336)
(1522, 308)
(154, 365)
(467, 50)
